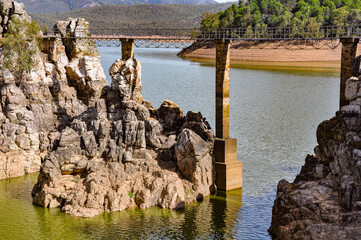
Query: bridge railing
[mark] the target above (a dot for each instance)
(261, 33)
(282, 33)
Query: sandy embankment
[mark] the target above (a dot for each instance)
(312, 56)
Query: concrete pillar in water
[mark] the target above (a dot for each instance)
(127, 48)
(349, 50)
(228, 169)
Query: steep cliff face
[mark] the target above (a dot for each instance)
(35, 104)
(25, 104)
(324, 201)
(98, 147)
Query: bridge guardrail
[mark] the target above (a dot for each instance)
(261, 33)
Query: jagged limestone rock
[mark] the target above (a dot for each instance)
(99, 147)
(34, 105)
(126, 77)
(120, 157)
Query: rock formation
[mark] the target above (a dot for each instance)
(24, 108)
(98, 147)
(324, 201)
(66, 78)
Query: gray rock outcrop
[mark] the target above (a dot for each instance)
(10, 9)
(324, 201)
(117, 155)
(98, 147)
(62, 84)
(102, 160)
(23, 104)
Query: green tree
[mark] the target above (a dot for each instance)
(339, 16)
(209, 21)
(263, 7)
(291, 13)
(353, 17)
(297, 27)
(303, 11)
(249, 32)
(285, 19)
(356, 4)
(20, 44)
(313, 28)
(275, 7)
(257, 18)
(273, 21)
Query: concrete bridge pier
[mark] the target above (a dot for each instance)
(349, 51)
(127, 48)
(228, 169)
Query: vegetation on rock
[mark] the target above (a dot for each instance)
(20, 44)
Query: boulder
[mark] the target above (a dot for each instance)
(170, 115)
(195, 161)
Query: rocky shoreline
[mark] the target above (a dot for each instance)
(324, 201)
(98, 147)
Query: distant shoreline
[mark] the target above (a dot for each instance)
(296, 57)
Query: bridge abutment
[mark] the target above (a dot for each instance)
(349, 51)
(127, 48)
(228, 169)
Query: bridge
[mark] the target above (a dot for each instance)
(228, 169)
(261, 37)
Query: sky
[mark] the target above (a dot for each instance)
(222, 1)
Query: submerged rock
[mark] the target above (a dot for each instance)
(324, 200)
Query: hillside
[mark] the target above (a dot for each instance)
(283, 13)
(136, 16)
(54, 6)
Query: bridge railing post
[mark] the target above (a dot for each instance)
(348, 53)
(228, 169)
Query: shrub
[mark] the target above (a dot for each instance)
(20, 44)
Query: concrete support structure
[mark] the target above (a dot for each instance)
(127, 48)
(228, 169)
(349, 50)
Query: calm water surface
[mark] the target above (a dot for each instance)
(274, 116)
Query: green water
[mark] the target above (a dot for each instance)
(19, 219)
(274, 116)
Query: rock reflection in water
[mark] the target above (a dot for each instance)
(214, 218)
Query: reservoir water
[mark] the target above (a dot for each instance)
(274, 116)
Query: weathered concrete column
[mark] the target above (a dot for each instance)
(127, 48)
(222, 88)
(228, 169)
(349, 50)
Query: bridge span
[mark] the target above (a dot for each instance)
(284, 37)
(228, 169)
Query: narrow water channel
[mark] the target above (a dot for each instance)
(274, 116)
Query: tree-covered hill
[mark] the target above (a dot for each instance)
(54, 6)
(284, 13)
(136, 16)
